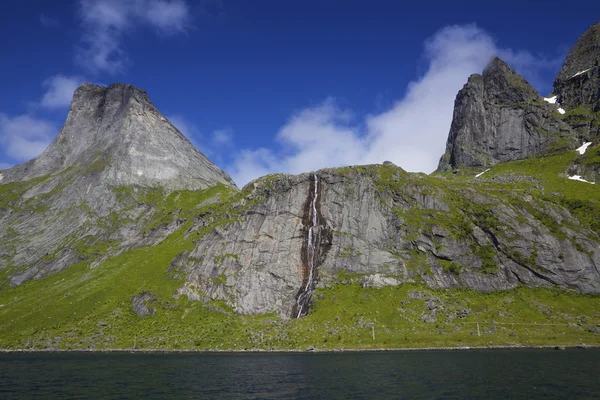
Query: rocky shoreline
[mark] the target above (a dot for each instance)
(308, 350)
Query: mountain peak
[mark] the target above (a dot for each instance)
(136, 144)
(584, 54)
(115, 92)
(576, 83)
(496, 63)
(505, 85)
(499, 116)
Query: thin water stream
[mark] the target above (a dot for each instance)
(312, 252)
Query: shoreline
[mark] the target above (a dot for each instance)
(309, 351)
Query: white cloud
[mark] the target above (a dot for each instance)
(222, 138)
(106, 21)
(24, 137)
(49, 22)
(60, 91)
(412, 133)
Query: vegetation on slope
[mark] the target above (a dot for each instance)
(85, 307)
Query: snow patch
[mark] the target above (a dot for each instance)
(1, 177)
(580, 72)
(581, 150)
(481, 173)
(139, 172)
(552, 100)
(580, 179)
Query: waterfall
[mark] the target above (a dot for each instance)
(312, 252)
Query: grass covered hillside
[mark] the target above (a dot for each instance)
(135, 300)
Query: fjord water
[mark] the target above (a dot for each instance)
(498, 374)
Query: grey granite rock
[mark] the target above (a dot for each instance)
(256, 263)
(499, 116)
(80, 192)
(578, 82)
(118, 127)
(140, 304)
(285, 236)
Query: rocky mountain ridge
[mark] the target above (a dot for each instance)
(118, 128)
(57, 207)
(499, 116)
(120, 186)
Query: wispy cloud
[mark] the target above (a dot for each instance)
(106, 21)
(49, 22)
(24, 137)
(5, 166)
(222, 138)
(412, 133)
(59, 91)
(213, 145)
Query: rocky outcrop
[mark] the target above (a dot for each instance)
(498, 117)
(578, 82)
(139, 304)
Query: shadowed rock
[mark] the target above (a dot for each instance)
(578, 82)
(499, 116)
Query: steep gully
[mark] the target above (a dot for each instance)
(310, 251)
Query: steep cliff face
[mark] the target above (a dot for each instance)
(136, 239)
(89, 193)
(578, 82)
(498, 117)
(117, 127)
(389, 227)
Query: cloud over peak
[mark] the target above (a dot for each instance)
(60, 91)
(24, 137)
(106, 21)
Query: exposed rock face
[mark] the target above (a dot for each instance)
(79, 193)
(95, 194)
(499, 116)
(390, 227)
(119, 127)
(578, 82)
(139, 304)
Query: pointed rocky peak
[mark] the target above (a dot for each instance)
(499, 116)
(504, 86)
(117, 130)
(577, 83)
(107, 100)
(584, 55)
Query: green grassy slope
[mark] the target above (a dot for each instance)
(91, 308)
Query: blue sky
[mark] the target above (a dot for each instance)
(266, 86)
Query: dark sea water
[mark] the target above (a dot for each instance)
(474, 374)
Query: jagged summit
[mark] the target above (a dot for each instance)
(578, 82)
(584, 54)
(118, 129)
(504, 85)
(499, 116)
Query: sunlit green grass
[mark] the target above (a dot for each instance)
(91, 308)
